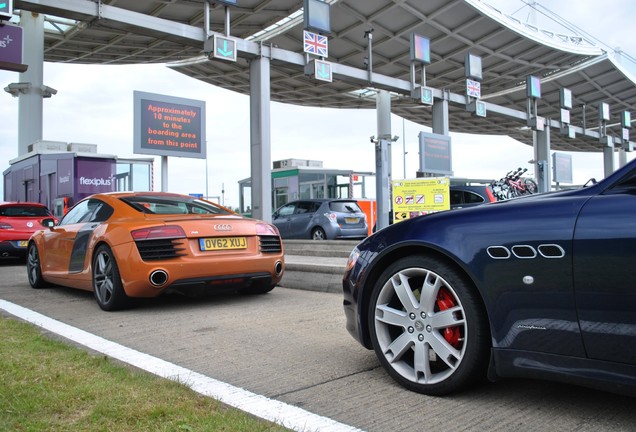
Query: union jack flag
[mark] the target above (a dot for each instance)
(473, 88)
(315, 44)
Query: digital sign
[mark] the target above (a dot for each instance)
(169, 126)
(435, 153)
(420, 49)
(316, 15)
(6, 9)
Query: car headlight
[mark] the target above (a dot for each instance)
(353, 258)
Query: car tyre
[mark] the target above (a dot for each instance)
(107, 286)
(318, 234)
(428, 326)
(34, 268)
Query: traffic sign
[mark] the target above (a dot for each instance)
(6, 9)
(480, 109)
(427, 96)
(473, 88)
(323, 71)
(316, 44)
(224, 48)
(320, 70)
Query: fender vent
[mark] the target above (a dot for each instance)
(551, 251)
(498, 252)
(524, 251)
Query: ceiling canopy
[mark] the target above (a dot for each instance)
(122, 32)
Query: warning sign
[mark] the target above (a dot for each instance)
(420, 196)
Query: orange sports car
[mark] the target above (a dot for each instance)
(124, 245)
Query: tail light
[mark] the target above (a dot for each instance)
(160, 232)
(332, 217)
(266, 229)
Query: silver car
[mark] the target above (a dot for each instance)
(321, 219)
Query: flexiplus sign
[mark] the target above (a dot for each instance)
(417, 197)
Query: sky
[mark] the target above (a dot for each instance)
(94, 105)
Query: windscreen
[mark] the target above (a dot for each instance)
(24, 211)
(344, 206)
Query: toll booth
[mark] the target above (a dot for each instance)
(58, 174)
(294, 179)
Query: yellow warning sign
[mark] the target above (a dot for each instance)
(416, 197)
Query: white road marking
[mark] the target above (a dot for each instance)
(284, 414)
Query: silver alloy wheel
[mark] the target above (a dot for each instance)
(421, 340)
(33, 264)
(319, 234)
(103, 276)
(34, 269)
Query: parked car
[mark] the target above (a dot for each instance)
(470, 195)
(539, 287)
(18, 220)
(321, 219)
(124, 245)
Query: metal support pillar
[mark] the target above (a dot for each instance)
(164, 173)
(440, 117)
(30, 111)
(542, 160)
(622, 157)
(383, 159)
(260, 139)
(608, 160)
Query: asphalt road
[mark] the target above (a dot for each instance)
(292, 346)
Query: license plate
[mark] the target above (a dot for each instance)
(23, 243)
(222, 243)
(352, 220)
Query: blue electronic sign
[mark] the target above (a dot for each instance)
(316, 14)
(420, 49)
(533, 87)
(6, 9)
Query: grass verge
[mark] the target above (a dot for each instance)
(47, 385)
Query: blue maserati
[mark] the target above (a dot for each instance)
(539, 287)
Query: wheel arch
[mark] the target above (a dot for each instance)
(400, 252)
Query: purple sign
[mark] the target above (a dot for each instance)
(94, 176)
(11, 44)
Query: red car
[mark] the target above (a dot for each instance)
(18, 220)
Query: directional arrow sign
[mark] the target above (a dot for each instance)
(427, 96)
(224, 48)
(6, 9)
(323, 71)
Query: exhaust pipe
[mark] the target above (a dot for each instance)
(158, 278)
(278, 268)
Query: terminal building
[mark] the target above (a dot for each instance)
(59, 174)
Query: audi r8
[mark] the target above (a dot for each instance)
(540, 287)
(127, 245)
(18, 220)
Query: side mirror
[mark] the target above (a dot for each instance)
(275, 215)
(48, 222)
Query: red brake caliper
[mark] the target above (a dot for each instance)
(446, 301)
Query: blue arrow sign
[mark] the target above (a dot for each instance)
(323, 70)
(224, 48)
(224, 51)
